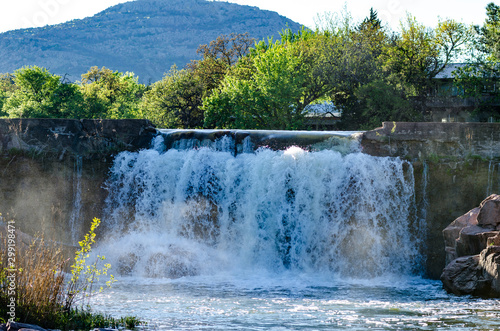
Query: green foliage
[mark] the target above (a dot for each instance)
(175, 101)
(489, 33)
(381, 103)
(83, 275)
(270, 98)
(109, 94)
(41, 94)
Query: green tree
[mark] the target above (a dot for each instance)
(270, 99)
(476, 79)
(489, 33)
(352, 57)
(420, 53)
(109, 94)
(39, 93)
(7, 87)
(175, 101)
(381, 102)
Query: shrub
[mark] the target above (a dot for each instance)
(42, 295)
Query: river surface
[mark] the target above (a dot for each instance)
(295, 302)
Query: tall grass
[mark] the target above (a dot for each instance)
(43, 293)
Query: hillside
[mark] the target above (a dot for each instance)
(144, 36)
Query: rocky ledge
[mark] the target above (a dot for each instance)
(63, 137)
(473, 251)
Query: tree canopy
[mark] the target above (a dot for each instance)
(367, 72)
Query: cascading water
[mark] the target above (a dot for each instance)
(77, 200)
(197, 211)
(492, 186)
(207, 233)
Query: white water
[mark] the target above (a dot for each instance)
(203, 239)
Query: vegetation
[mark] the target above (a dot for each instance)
(479, 76)
(368, 73)
(33, 275)
(146, 37)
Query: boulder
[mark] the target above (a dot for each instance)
(489, 262)
(489, 214)
(472, 240)
(452, 232)
(472, 244)
(464, 276)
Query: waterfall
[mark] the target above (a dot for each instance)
(77, 200)
(188, 209)
(492, 186)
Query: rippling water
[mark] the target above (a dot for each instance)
(296, 302)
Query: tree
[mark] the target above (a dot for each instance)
(7, 87)
(218, 57)
(481, 71)
(109, 94)
(489, 42)
(270, 99)
(229, 49)
(175, 101)
(381, 102)
(41, 94)
(420, 53)
(351, 57)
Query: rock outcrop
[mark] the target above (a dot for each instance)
(84, 138)
(53, 171)
(473, 251)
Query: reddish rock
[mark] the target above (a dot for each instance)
(472, 240)
(464, 276)
(489, 215)
(452, 232)
(476, 270)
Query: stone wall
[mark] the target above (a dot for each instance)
(456, 165)
(46, 163)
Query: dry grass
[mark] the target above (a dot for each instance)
(42, 290)
(39, 278)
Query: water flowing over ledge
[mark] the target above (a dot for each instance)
(53, 170)
(198, 210)
(247, 141)
(293, 271)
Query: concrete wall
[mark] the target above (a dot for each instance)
(45, 164)
(456, 166)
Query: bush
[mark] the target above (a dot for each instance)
(32, 275)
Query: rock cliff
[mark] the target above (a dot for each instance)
(52, 171)
(455, 165)
(473, 251)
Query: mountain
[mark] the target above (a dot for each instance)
(144, 36)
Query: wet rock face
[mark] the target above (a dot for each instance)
(473, 248)
(48, 166)
(66, 137)
(489, 215)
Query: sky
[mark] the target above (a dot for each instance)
(35, 13)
